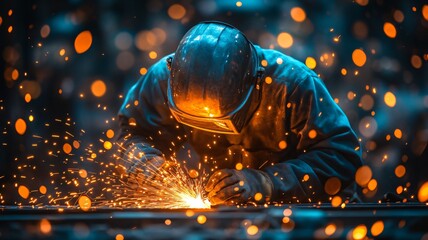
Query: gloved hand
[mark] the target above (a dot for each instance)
(148, 165)
(229, 186)
(143, 162)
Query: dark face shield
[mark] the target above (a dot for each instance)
(231, 123)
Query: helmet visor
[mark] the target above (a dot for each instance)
(231, 123)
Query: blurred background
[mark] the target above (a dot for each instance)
(66, 66)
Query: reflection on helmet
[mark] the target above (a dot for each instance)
(213, 78)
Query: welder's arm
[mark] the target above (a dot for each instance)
(147, 129)
(327, 147)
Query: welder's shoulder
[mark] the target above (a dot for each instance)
(158, 72)
(285, 69)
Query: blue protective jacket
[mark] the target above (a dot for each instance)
(299, 136)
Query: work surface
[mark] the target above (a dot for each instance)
(380, 221)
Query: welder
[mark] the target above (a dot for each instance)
(263, 123)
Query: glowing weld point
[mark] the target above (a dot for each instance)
(195, 202)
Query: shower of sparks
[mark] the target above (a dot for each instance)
(84, 174)
(168, 187)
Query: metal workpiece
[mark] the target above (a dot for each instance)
(302, 221)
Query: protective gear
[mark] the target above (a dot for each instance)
(143, 164)
(214, 83)
(233, 186)
(276, 139)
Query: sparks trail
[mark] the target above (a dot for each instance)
(170, 187)
(82, 173)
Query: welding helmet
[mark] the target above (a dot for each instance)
(214, 82)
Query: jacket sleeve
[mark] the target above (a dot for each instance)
(146, 124)
(327, 147)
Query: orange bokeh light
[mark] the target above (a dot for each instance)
(312, 134)
(201, 219)
(298, 14)
(45, 226)
(389, 30)
(416, 61)
(332, 186)
(43, 189)
(83, 42)
(336, 201)
(108, 145)
(359, 232)
(67, 148)
(27, 97)
(398, 133)
(330, 229)
(45, 31)
(98, 88)
(20, 126)
(377, 228)
(83, 173)
(311, 62)
(423, 193)
(390, 99)
(359, 57)
(400, 170)
(23, 191)
(282, 144)
(176, 11)
(252, 230)
(285, 40)
(85, 203)
(425, 12)
(363, 175)
(15, 74)
(362, 2)
(372, 185)
(110, 133)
